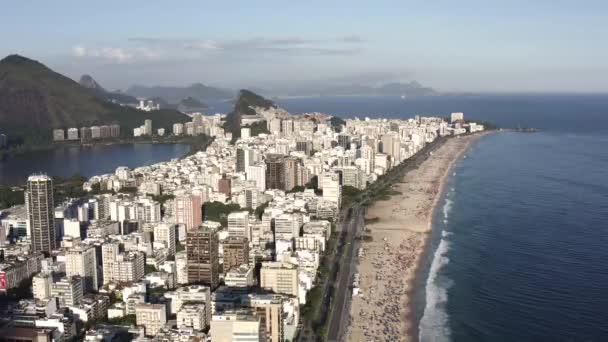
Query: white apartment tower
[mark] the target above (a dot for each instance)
(238, 224)
(82, 261)
(165, 233)
(257, 173)
(152, 317)
(109, 254)
(280, 278)
(332, 190)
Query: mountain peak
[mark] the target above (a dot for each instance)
(247, 98)
(88, 81)
(244, 106)
(19, 60)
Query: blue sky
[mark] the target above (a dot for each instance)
(475, 45)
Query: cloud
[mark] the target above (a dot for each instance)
(178, 50)
(284, 45)
(79, 51)
(351, 39)
(116, 54)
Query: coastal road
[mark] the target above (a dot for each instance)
(309, 331)
(340, 307)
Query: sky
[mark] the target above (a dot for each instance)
(452, 46)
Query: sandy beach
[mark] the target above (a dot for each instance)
(399, 235)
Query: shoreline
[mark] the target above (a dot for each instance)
(414, 322)
(399, 240)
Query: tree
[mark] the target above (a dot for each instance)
(337, 123)
(259, 211)
(218, 211)
(298, 188)
(313, 183)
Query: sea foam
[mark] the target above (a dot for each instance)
(447, 207)
(434, 324)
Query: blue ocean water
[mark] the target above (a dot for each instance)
(519, 246)
(555, 113)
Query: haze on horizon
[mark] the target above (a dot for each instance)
(471, 45)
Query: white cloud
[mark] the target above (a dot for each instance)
(112, 54)
(281, 45)
(79, 51)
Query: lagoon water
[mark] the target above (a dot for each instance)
(86, 160)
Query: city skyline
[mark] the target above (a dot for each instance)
(516, 47)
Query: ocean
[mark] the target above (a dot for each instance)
(519, 244)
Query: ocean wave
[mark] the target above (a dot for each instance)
(447, 207)
(434, 322)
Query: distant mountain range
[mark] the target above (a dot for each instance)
(200, 92)
(197, 91)
(34, 99)
(407, 89)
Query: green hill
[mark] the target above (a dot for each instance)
(34, 99)
(243, 106)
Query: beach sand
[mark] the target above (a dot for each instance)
(399, 236)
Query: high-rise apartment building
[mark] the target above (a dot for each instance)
(202, 256)
(68, 290)
(165, 233)
(82, 261)
(187, 210)
(148, 127)
(232, 326)
(280, 278)
(291, 167)
(121, 267)
(41, 213)
(344, 140)
(286, 227)
(41, 285)
(257, 173)
(238, 224)
(152, 317)
(224, 186)
(332, 191)
(236, 252)
(243, 159)
(275, 171)
(109, 254)
(269, 308)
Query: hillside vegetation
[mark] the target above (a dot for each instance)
(34, 99)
